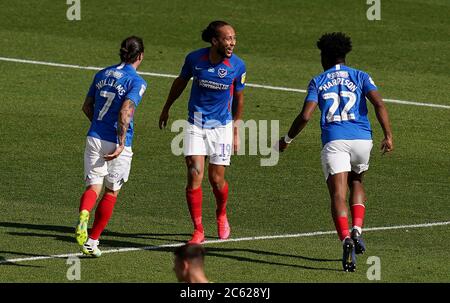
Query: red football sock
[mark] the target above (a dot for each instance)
(221, 200)
(88, 200)
(341, 224)
(102, 215)
(358, 212)
(194, 201)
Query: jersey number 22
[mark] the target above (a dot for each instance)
(344, 116)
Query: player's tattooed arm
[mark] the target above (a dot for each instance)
(123, 122)
(125, 115)
(88, 107)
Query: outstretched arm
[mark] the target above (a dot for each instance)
(178, 86)
(88, 107)
(125, 116)
(374, 97)
(298, 125)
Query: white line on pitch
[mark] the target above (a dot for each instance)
(156, 247)
(174, 76)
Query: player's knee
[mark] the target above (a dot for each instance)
(216, 180)
(354, 178)
(95, 187)
(195, 172)
(112, 191)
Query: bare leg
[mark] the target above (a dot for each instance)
(195, 168)
(194, 196)
(337, 187)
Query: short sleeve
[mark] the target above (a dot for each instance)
(186, 70)
(240, 78)
(368, 84)
(136, 91)
(312, 94)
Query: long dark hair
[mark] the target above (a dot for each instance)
(211, 30)
(130, 49)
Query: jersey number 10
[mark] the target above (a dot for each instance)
(344, 116)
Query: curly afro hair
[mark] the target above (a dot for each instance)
(335, 45)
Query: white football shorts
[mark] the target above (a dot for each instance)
(345, 155)
(216, 143)
(115, 172)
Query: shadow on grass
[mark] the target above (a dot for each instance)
(219, 252)
(229, 253)
(107, 233)
(4, 261)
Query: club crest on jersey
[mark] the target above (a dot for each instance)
(222, 72)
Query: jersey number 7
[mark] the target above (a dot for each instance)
(109, 99)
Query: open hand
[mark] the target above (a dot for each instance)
(115, 154)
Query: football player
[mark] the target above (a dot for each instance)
(340, 92)
(217, 88)
(115, 93)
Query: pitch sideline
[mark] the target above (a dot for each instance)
(16, 60)
(156, 247)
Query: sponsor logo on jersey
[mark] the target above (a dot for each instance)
(222, 72)
(338, 74)
(113, 73)
(212, 85)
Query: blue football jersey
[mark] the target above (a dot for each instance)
(341, 94)
(110, 88)
(213, 87)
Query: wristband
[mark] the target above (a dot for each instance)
(287, 139)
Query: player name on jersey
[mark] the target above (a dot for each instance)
(338, 81)
(113, 83)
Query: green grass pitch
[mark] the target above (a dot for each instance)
(43, 132)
